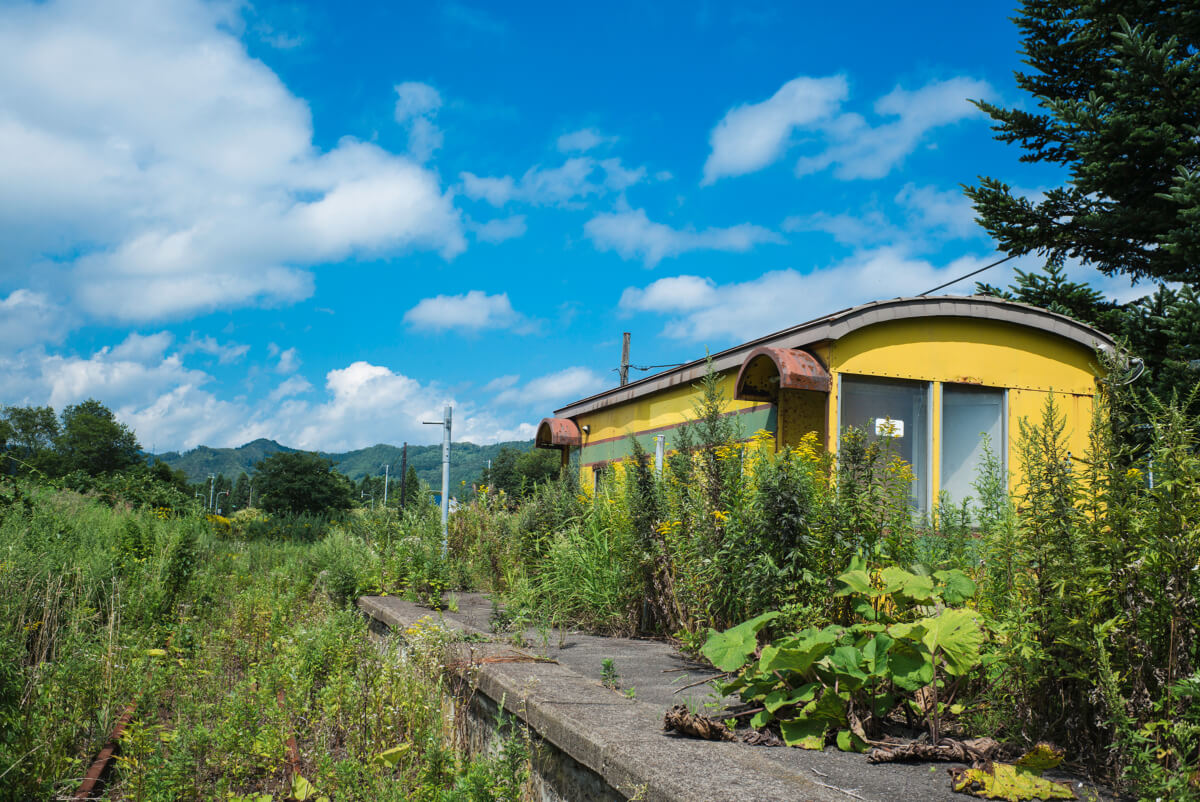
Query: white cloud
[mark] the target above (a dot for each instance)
(576, 178)
(225, 354)
(196, 186)
(672, 294)
(751, 136)
(144, 348)
(583, 140)
(740, 311)
(564, 385)
(501, 383)
(634, 236)
(416, 106)
(856, 149)
(28, 317)
(500, 229)
(869, 228)
(947, 211)
(472, 311)
(293, 385)
(289, 361)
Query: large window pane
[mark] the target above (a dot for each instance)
(968, 413)
(879, 406)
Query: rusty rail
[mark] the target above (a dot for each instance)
(93, 780)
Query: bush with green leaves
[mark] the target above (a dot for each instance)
(910, 633)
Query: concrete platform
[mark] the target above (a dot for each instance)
(617, 739)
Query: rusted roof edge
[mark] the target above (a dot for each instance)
(838, 324)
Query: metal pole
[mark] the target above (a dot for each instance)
(624, 359)
(386, 468)
(445, 424)
(445, 478)
(404, 477)
(212, 480)
(659, 441)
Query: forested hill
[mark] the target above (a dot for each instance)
(467, 460)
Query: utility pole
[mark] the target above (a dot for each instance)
(445, 424)
(404, 477)
(659, 441)
(386, 468)
(212, 481)
(624, 359)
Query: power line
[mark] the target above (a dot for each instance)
(968, 275)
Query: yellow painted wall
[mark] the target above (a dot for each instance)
(970, 351)
(1029, 363)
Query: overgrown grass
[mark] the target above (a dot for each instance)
(228, 648)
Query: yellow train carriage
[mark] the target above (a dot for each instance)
(937, 374)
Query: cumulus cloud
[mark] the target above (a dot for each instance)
(577, 178)
(564, 385)
(472, 311)
(195, 187)
(856, 149)
(738, 311)
(293, 385)
(28, 317)
(416, 106)
(583, 140)
(633, 235)
(144, 348)
(753, 135)
(807, 113)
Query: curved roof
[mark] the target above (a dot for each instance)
(839, 324)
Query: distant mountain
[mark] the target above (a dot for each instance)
(467, 460)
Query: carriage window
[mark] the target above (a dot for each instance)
(968, 413)
(898, 410)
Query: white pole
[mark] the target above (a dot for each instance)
(659, 441)
(212, 480)
(446, 477)
(386, 468)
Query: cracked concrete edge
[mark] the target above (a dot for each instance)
(619, 739)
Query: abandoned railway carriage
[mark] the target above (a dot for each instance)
(936, 373)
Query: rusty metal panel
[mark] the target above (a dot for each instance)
(767, 370)
(557, 433)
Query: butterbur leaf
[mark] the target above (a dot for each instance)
(805, 733)
(856, 580)
(391, 757)
(802, 695)
(800, 656)
(956, 634)
(728, 650)
(911, 665)
(302, 789)
(847, 741)
(761, 719)
(957, 587)
(1041, 757)
(1008, 782)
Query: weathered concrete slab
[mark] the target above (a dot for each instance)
(619, 740)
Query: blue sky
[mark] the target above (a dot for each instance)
(320, 222)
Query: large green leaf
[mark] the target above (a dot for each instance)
(957, 587)
(842, 666)
(728, 650)
(806, 733)
(1008, 782)
(780, 698)
(957, 637)
(912, 667)
(875, 653)
(847, 741)
(800, 655)
(855, 579)
(906, 587)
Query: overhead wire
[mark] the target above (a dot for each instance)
(968, 275)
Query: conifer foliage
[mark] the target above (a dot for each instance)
(1117, 88)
